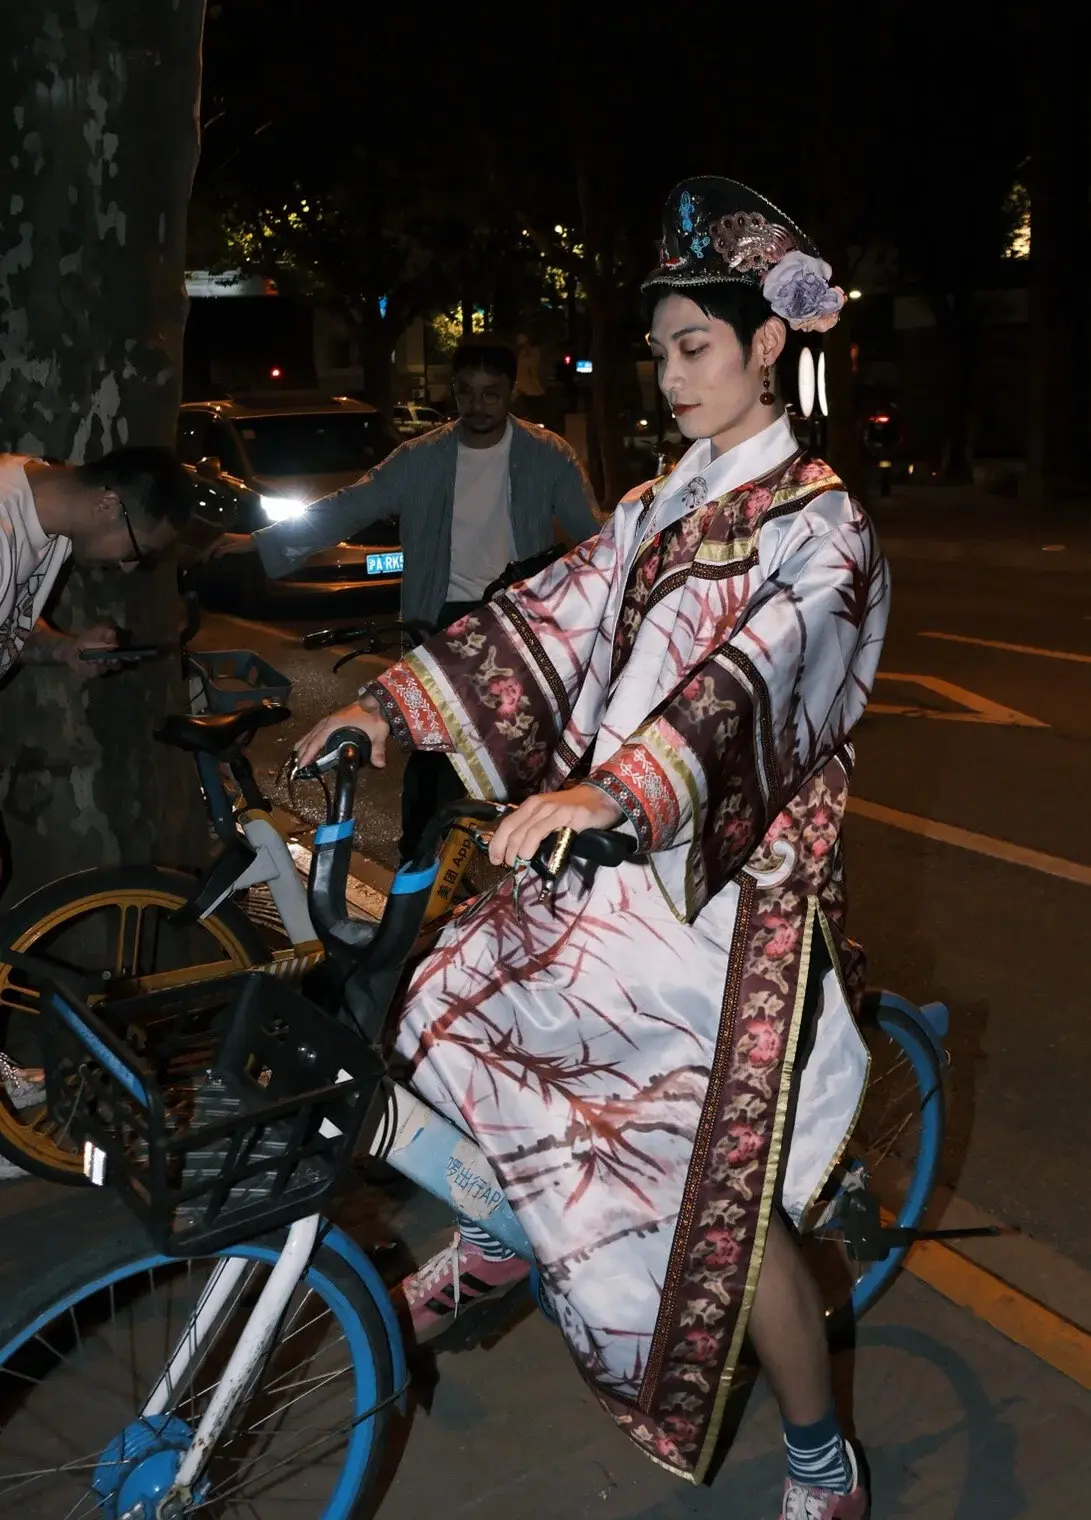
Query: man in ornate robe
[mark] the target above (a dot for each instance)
(657, 1058)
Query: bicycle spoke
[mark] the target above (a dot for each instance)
(881, 1157)
(126, 957)
(217, 1496)
(307, 1385)
(303, 1302)
(209, 1388)
(90, 1497)
(19, 997)
(85, 1463)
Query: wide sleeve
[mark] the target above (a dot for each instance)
(711, 769)
(496, 689)
(332, 519)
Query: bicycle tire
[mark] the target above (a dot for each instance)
(924, 1062)
(43, 1313)
(25, 1141)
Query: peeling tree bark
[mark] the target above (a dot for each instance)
(98, 142)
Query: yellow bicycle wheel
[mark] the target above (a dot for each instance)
(113, 924)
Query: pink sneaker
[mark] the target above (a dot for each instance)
(454, 1279)
(804, 1503)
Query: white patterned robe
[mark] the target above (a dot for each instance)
(626, 1053)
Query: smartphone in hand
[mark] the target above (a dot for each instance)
(131, 654)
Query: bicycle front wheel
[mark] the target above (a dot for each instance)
(115, 924)
(76, 1372)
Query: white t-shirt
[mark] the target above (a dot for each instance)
(30, 560)
(481, 541)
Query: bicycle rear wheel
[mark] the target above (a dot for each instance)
(307, 1439)
(889, 1164)
(115, 923)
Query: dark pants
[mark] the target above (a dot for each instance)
(430, 780)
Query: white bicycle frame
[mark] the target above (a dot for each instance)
(414, 1140)
(273, 866)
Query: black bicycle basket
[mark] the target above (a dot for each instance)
(221, 1109)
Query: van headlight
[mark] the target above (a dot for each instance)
(281, 508)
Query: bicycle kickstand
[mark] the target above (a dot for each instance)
(869, 1238)
(902, 1237)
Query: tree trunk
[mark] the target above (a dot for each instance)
(99, 141)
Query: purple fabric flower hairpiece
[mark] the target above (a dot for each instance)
(798, 289)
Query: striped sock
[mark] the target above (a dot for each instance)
(473, 1235)
(816, 1454)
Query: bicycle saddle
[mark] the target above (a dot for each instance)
(216, 733)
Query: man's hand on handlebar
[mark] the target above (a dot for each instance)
(364, 715)
(522, 831)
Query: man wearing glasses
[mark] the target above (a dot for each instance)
(124, 509)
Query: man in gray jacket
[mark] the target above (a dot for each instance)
(472, 497)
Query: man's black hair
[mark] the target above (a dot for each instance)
(152, 483)
(486, 354)
(742, 307)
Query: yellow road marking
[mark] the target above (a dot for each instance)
(1046, 654)
(980, 844)
(979, 709)
(1022, 1319)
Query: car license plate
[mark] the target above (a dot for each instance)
(386, 564)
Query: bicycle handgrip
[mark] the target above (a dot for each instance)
(328, 756)
(374, 633)
(603, 847)
(321, 638)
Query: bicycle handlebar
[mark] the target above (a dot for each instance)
(374, 955)
(323, 638)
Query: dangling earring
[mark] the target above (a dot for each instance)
(767, 397)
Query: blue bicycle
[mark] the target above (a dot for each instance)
(228, 1351)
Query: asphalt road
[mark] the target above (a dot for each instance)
(1001, 943)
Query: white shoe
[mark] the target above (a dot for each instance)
(25, 1087)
